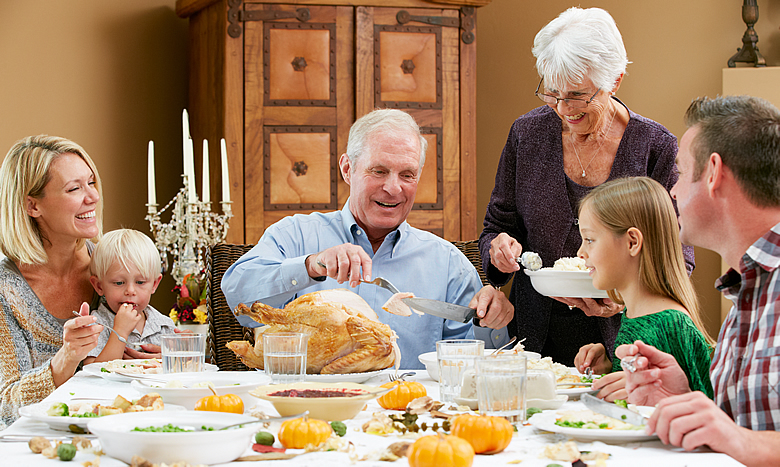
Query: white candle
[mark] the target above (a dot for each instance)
(225, 175)
(190, 171)
(152, 194)
(185, 136)
(206, 191)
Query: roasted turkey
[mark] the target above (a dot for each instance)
(345, 335)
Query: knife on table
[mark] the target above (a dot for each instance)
(612, 410)
(462, 314)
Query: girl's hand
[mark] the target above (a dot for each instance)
(601, 307)
(611, 386)
(595, 357)
(126, 319)
(78, 339)
(504, 251)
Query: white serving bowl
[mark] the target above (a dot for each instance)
(552, 283)
(225, 382)
(322, 408)
(431, 362)
(201, 447)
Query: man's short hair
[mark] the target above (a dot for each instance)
(745, 132)
(392, 121)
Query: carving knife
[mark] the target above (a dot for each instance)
(612, 410)
(462, 314)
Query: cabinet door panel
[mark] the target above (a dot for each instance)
(299, 170)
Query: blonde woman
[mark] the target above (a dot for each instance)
(50, 209)
(630, 243)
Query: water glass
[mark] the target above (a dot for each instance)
(455, 356)
(501, 386)
(284, 356)
(183, 353)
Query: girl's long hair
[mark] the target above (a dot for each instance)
(644, 204)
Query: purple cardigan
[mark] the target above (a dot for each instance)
(530, 203)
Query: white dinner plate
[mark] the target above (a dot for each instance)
(343, 378)
(96, 369)
(38, 413)
(546, 421)
(576, 392)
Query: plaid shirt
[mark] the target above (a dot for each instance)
(746, 366)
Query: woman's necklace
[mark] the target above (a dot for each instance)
(574, 145)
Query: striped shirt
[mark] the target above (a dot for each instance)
(746, 366)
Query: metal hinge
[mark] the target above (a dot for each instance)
(236, 15)
(465, 22)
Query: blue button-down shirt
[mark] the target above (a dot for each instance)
(274, 273)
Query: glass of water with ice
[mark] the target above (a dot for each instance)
(501, 386)
(284, 356)
(183, 352)
(455, 356)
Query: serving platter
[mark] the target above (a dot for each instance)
(38, 413)
(194, 386)
(341, 378)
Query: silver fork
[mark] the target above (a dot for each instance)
(132, 345)
(393, 376)
(384, 283)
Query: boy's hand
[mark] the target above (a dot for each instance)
(126, 319)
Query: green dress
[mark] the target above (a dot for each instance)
(673, 332)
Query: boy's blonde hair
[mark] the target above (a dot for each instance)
(644, 204)
(130, 248)
(25, 172)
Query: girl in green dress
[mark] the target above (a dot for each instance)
(630, 243)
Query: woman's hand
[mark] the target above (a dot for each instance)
(504, 251)
(78, 339)
(595, 357)
(611, 386)
(601, 307)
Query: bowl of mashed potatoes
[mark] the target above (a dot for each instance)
(569, 277)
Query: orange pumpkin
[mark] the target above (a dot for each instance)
(300, 432)
(441, 451)
(402, 393)
(230, 403)
(487, 435)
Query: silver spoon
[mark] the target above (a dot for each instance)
(514, 338)
(264, 420)
(530, 260)
(132, 345)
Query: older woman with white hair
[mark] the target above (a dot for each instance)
(556, 154)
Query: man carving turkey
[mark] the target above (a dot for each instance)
(370, 237)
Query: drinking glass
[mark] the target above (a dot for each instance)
(501, 386)
(455, 356)
(183, 352)
(284, 356)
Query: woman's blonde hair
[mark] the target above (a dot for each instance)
(130, 248)
(25, 172)
(644, 204)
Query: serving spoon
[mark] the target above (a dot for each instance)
(262, 420)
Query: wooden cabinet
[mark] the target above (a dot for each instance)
(284, 81)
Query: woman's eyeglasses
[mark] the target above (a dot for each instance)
(573, 102)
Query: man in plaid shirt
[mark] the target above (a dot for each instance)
(728, 196)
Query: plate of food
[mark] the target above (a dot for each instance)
(140, 367)
(73, 416)
(569, 277)
(340, 378)
(586, 425)
(324, 401)
(187, 388)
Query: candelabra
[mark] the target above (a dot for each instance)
(192, 229)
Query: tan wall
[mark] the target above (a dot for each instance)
(678, 49)
(111, 75)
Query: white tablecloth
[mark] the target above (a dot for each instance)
(527, 444)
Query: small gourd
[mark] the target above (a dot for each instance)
(230, 403)
(441, 451)
(300, 432)
(401, 394)
(487, 435)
